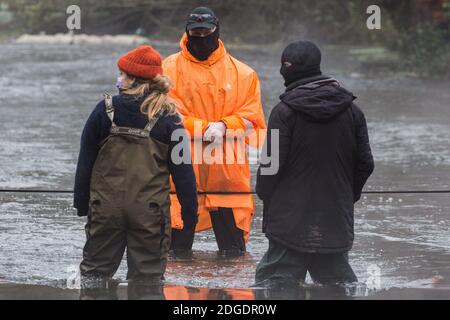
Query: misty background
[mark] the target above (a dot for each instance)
(414, 36)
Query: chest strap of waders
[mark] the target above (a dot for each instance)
(109, 108)
(150, 125)
(124, 130)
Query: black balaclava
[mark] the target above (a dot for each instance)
(300, 60)
(202, 47)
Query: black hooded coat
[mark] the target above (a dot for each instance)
(324, 161)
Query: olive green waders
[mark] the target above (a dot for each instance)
(129, 205)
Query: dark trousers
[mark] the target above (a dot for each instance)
(228, 236)
(284, 265)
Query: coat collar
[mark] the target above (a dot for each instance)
(304, 81)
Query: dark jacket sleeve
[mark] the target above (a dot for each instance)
(281, 118)
(95, 130)
(182, 173)
(364, 160)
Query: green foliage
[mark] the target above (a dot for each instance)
(408, 27)
(446, 6)
(251, 20)
(425, 50)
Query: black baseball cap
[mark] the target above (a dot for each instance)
(201, 17)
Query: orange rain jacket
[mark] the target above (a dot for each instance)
(220, 88)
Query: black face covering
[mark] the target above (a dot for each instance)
(202, 47)
(304, 58)
(296, 72)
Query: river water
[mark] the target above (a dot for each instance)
(48, 91)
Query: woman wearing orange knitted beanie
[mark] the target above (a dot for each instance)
(122, 181)
(143, 62)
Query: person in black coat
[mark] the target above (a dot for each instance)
(324, 161)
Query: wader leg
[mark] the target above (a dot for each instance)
(147, 244)
(105, 244)
(332, 268)
(106, 292)
(280, 266)
(230, 239)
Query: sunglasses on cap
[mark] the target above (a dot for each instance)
(202, 17)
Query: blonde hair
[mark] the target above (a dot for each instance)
(156, 96)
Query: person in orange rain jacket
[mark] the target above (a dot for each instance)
(216, 94)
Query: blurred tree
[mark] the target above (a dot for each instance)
(330, 20)
(405, 23)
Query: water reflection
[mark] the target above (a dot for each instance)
(141, 291)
